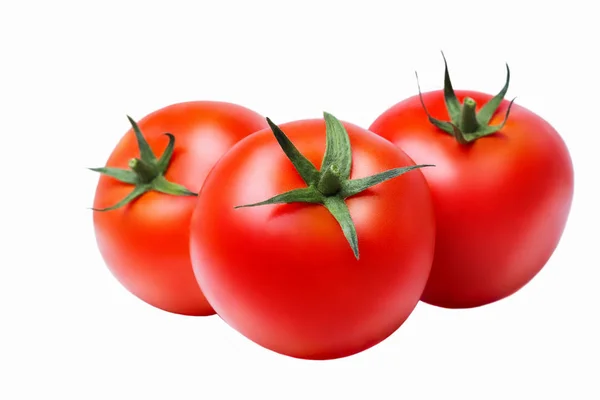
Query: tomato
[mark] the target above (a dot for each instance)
(145, 241)
(324, 267)
(502, 189)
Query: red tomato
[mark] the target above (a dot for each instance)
(284, 275)
(501, 201)
(146, 242)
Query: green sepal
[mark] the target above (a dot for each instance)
(134, 194)
(123, 175)
(146, 153)
(488, 110)
(302, 195)
(305, 168)
(162, 185)
(452, 103)
(339, 209)
(443, 125)
(356, 186)
(165, 158)
(338, 150)
(488, 130)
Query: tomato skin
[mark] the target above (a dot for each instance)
(284, 275)
(146, 243)
(501, 203)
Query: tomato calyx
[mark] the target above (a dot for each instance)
(331, 185)
(146, 173)
(466, 124)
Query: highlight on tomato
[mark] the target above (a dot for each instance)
(314, 239)
(502, 189)
(147, 192)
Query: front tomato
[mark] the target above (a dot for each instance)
(142, 214)
(502, 189)
(328, 266)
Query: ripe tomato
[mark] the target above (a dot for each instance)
(145, 243)
(501, 197)
(285, 275)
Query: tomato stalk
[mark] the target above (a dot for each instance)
(330, 182)
(146, 173)
(466, 124)
(468, 116)
(331, 185)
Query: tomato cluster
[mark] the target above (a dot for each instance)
(317, 238)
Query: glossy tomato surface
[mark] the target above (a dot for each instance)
(284, 275)
(501, 202)
(146, 243)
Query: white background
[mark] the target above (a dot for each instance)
(71, 71)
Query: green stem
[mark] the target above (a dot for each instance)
(468, 116)
(145, 171)
(330, 182)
